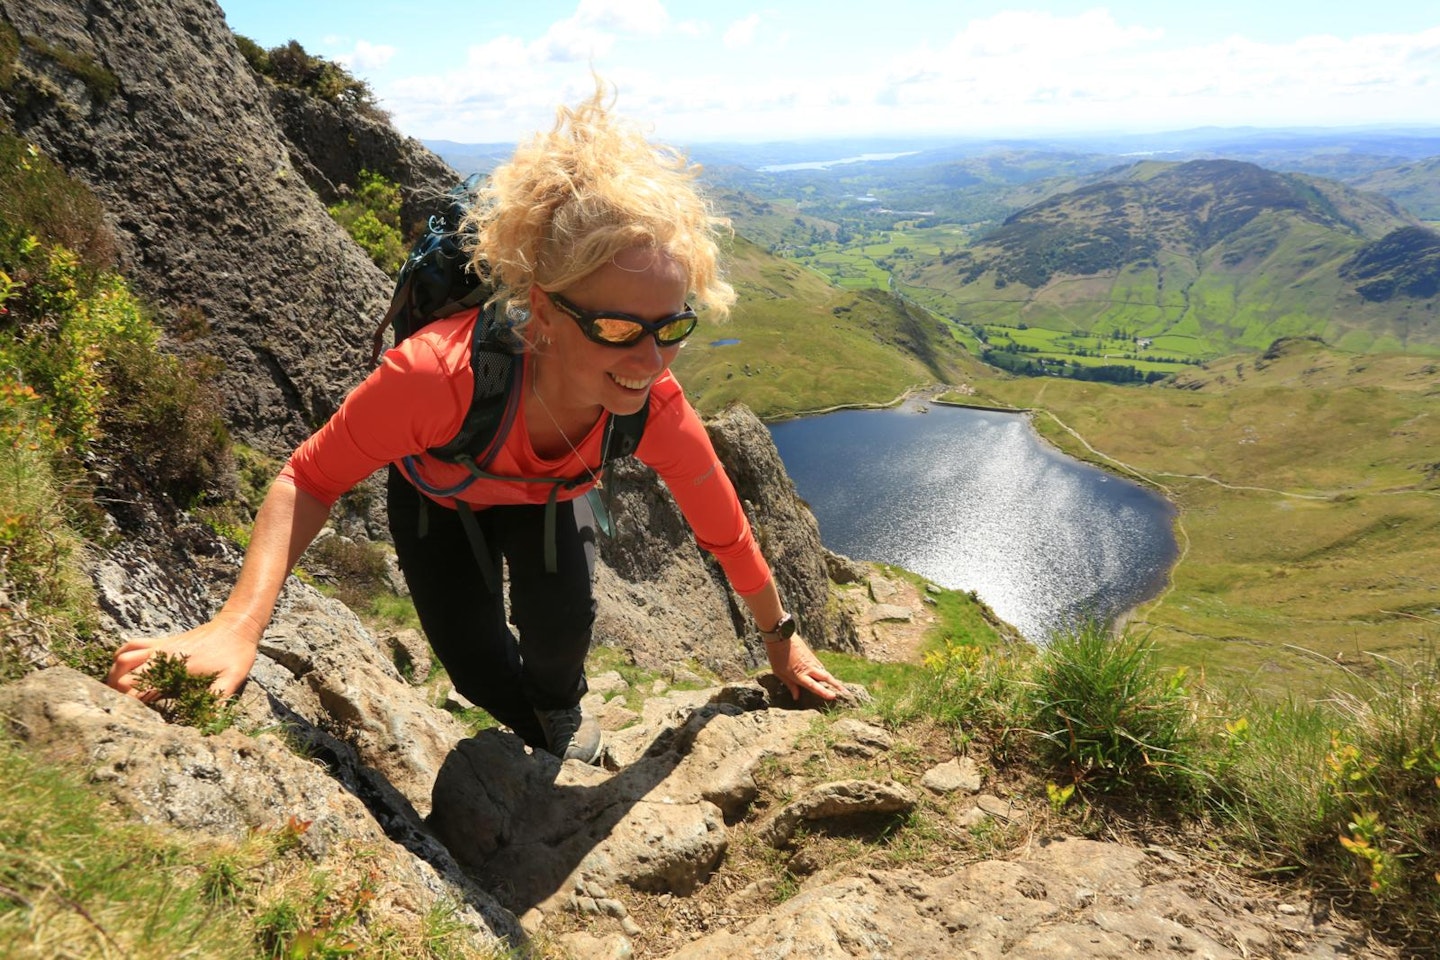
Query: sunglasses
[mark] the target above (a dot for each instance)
(615, 329)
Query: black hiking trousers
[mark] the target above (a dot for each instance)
(466, 624)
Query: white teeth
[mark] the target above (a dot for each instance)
(631, 384)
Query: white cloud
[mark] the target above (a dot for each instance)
(571, 40)
(646, 17)
(1012, 72)
(741, 33)
(366, 56)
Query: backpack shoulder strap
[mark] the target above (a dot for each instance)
(623, 433)
(498, 371)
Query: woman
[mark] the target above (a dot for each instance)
(596, 242)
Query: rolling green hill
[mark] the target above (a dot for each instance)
(1415, 186)
(795, 342)
(1196, 260)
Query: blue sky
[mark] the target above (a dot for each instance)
(715, 70)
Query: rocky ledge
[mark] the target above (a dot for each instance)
(724, 822)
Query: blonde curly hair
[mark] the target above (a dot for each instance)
(568, 201)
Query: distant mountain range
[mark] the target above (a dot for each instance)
(1076, 234)
(1221, 252)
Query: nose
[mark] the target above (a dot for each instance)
(647, 351)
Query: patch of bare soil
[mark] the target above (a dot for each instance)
(893, 616)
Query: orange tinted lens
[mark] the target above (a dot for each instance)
(616, 330)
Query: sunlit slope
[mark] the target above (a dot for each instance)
(1203, 257)
(804, 344)
(1309, 486)
(770, 223)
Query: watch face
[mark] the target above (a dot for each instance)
(785, 629)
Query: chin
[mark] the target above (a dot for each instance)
(628, 405)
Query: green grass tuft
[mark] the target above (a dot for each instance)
(1109, 717)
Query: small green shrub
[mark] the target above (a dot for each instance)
(965, 688)
(67, 320)
(166, 414)
(255, 55)
(289, 65)
(354, 571)
(372, 218)
(38, 197)
(182, 697)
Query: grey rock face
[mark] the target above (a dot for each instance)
(208, 208)
(227, 785)
(786, 528)
(663, 600)
(539, 830)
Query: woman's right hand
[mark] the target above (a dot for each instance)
(225, 646)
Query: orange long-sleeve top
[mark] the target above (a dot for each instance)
(417, 398)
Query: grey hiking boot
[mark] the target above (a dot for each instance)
(570, 734)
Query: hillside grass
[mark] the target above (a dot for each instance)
(1308, 490)
(806, 345)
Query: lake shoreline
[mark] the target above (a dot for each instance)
(929, 393)
(971, 503)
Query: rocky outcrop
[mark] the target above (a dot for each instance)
(155, 109)
(331, 144)
(228, 785)
(661, 853)
(662, 599)
(785, 527)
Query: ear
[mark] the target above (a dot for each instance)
(542, 314)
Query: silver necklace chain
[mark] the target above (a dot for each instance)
(535, 392)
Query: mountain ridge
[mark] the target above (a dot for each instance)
(1221, 252)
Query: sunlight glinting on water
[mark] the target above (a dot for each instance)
(974, 501)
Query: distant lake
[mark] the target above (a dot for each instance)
(827, 164)
(974, 500)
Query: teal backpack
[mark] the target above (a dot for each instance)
(435, 282)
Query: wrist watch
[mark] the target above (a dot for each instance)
(783, 630)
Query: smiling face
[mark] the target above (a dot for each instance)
(583, 377)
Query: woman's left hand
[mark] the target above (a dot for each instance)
(797, 666)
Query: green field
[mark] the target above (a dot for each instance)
(1309, 494)
(878, 261)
